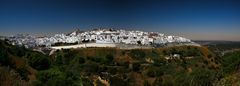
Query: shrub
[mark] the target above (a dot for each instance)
(230, 62)
(39, 61)
(4, 59)
(136, 67)
(155, 72)
(137, 54)
(86, 82)
(202, 77)
(52, 77)
(81, 60)
(23, 72)
(109, 57)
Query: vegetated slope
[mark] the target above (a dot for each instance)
(170, 66)
(16, 66)
(230, 69)
(138, 67)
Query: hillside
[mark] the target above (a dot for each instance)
(169, 66)
(19, 66)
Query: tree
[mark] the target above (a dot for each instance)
(137, 54)
(81, 60)
(109, 58)
(39, 61)
(4, 59)
(136, 67)
(139, 42)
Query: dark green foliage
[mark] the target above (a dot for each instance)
(38, 61)
(96, 59)
(155, 54)
(183, 79)
(159, 61)
(91, 68)
(151, 73)
(183, 51)
(52, 77)
(230, 62)
(81, 60)
(59, 60)
(68, 57)
(63, 44)
(18, 51)
(109, 58)
(157, 72)
(4, 59)
(86, 82)
(137, 54)
(56, 77)
(202, 77)
(116, 81)
(136, 67)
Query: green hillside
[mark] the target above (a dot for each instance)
(170, 66)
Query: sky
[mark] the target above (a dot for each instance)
(193, 19)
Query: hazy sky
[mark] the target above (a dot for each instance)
(194, 19)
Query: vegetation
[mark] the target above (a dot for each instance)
(169, 66)
(63, 44)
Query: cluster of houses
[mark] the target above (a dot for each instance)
(98, 36)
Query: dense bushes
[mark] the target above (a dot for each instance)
(109, 58)
(102, 60)
(137, 54)
(202, 77)
(4, 57)
(81, 60)
(38, 61)
(57, 77)
(230, 62)
(51, 77)
(136, 67)
(184, 51)
(63, 44)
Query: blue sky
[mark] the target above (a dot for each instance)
(194, 19)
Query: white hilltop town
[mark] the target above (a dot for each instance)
(100, 38)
